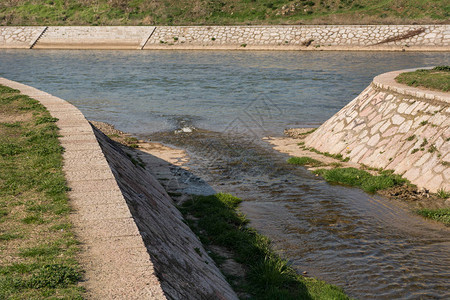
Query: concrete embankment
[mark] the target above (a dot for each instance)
(393, 126)
(134, 242)
(288, 37)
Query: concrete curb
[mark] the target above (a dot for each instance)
(114, 256)
(387, 81)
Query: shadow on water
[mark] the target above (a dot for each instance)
(371, 246)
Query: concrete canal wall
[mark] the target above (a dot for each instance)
(393, 126)
(288, 37)
(134, 242)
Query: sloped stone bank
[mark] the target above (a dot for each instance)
(288, 37)
(393, 126)
(133, 240)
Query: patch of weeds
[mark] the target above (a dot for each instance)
(441, 215)
(414, 150)
(54, 276)
(268, 276)
(445, 163)
(40, 251)
(362, 179)
(243, 45)
(136, 162)
(432, 149)
(175, 38)
(113, 135)
(45, 119)
(335, 156)
(443, 194)
(305, 161)
(425, 142)
(412, 137)
(336, 165)
(301, 144)
(33, 219)
(198, 251)
(9, 236)
(213, 39)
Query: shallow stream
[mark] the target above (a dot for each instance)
(218, 105)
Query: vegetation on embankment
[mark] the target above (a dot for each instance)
(223, 12)
(217, 222)
(440, 215)
(437, 78)
(38, 248)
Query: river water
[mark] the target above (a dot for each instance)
(370, 246)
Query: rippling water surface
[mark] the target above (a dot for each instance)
(370, 246)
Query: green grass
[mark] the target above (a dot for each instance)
(441, 215)
(40, 250)
(225, 12)
(362, 179)
(437, 78)
(268, 276)
(443, 194)
(305, 161)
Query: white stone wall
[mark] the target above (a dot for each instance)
(93, 37)
(19, 37)
(394, 127)
(327, 35)
(353, 37)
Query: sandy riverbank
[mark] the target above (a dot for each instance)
(413, 198)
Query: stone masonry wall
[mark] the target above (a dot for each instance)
(393, 126)
(289, 37)
(303, 36)
(19, 37)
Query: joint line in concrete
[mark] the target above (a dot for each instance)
(38, 36)
(144, 42)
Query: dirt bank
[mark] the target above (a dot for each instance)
(411, 196)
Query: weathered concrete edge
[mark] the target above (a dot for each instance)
(387, 82)
(99, 207)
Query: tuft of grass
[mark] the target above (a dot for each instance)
(268, 276)
(443, 194)
(437, 78)
(305, 161)
(362, 179)
(441, 215)
(412, 137)
(33, 197)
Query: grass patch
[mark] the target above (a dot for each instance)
(362, 179)
(225, 12)
(443, 194)
(437, 78)
(305, 161)
(441, 215)
(218, 222)
(33, 197)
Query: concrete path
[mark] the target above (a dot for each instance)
(113, 254)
